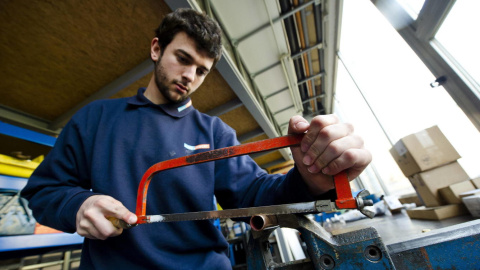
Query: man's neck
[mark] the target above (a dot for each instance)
(153, 94)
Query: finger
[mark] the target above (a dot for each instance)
(352, 160)
(317, 124)
(92, 216)
(95, 225)
(114, 211)
(334, 150)
(119, 211)
(91, 226)
(323, 140)
(88, 232)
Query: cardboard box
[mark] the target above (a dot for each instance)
(451, 194)
(473, 205)
(476, 182)
(437, 213)
(423, 151)
(469, 193)
(410, 198)
(429, 182)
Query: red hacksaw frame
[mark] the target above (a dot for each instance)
(342, 185)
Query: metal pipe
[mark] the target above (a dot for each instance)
(284, 109)
(262, 222)
(312, 77)
(318, 46)
(300, 82)
(315, 97)
(276, 92)
(253, 75)
(298, 54)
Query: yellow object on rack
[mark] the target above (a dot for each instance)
(17, 167)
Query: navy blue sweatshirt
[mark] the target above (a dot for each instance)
(107, 147)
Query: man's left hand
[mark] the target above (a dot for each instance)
(327, 148)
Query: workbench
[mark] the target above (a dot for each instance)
(398, 227)
(424, 244)
(384, 242)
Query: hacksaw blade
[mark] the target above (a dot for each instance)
(294, 208)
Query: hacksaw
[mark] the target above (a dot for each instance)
(344, 199)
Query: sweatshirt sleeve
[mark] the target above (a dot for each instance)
(60, 184)
(240, 182)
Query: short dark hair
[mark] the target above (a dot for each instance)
(204, 30)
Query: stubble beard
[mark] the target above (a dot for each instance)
(162, 83)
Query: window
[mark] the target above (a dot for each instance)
(462, 45)
(383, 88)
(412, 7)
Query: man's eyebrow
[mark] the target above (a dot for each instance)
(190, 57)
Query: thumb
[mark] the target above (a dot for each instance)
(129, 217)
(297, 125)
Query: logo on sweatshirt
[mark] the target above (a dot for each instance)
(196, 147)
(181, 108)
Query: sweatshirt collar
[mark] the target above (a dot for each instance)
(177, 110)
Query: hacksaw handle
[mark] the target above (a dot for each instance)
(119, 223)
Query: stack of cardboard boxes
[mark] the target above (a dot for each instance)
(429, 161)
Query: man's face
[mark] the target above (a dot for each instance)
(181, 69)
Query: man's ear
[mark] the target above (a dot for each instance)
(155, 51)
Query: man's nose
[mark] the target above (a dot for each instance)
(189, 73)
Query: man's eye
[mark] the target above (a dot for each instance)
(201, 72)
(182, 59)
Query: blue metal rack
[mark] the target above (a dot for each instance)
(26, 134)
(24, 245)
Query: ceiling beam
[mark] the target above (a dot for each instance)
(25, 120)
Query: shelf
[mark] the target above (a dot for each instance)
(24, 245)
(27, 135)
(18, 138)
(12, 182)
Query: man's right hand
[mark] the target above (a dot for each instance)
(92, 216)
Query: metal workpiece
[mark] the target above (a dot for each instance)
(265, 221)
(262, 222)
(361, 249)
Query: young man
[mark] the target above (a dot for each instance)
(94, 169)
